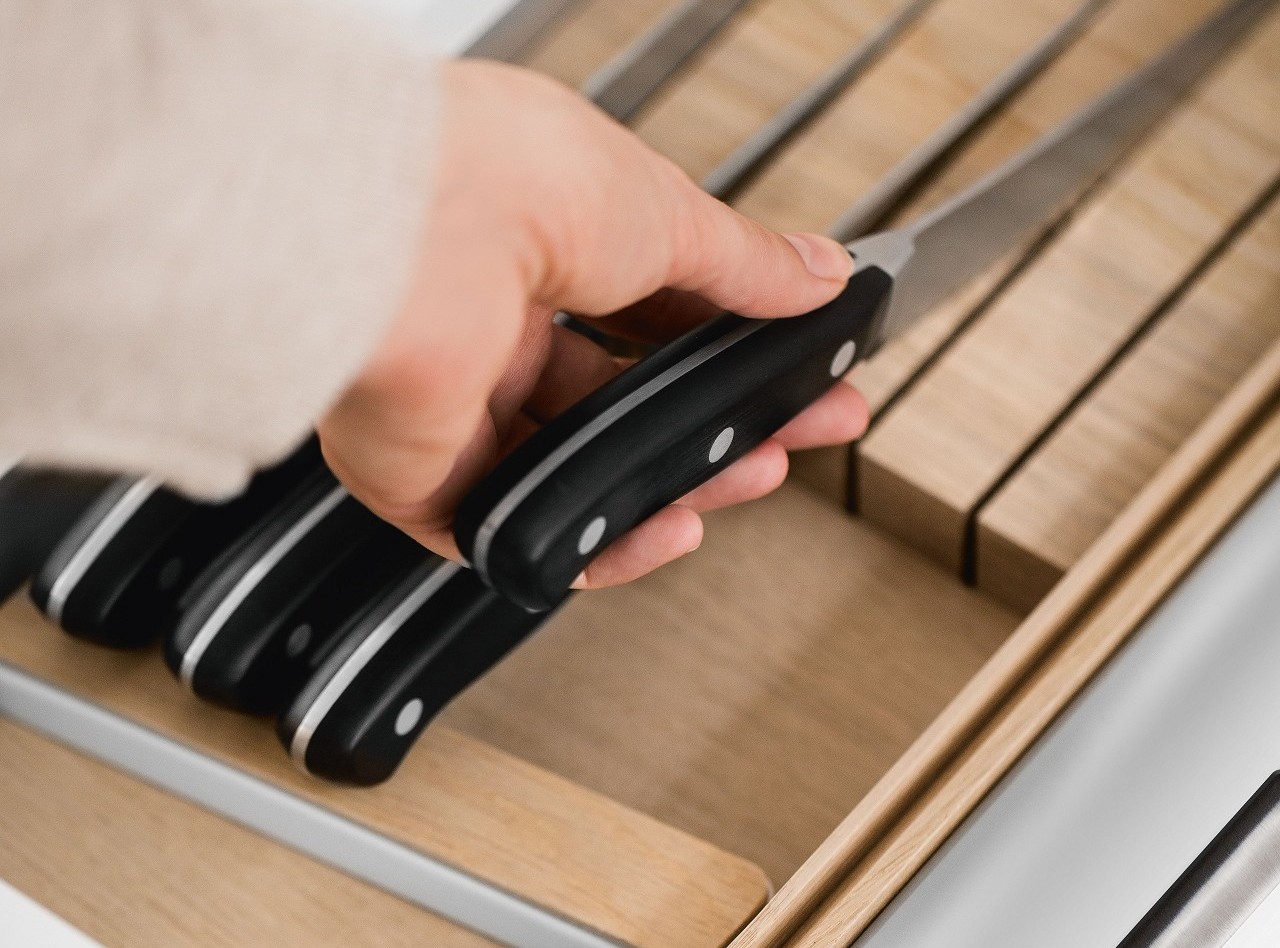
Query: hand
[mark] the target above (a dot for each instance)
(543, 203)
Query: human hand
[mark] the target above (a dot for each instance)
(543, 203)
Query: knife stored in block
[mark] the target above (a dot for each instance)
(394, 667)
(119, 575)
(257, 581)
(269, 616)
(678, 417)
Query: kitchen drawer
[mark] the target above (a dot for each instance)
(814, 699)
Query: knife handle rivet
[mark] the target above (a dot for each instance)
(409, 716)
(298, 640)
(843, 358)
(590, 538)
(721, 445)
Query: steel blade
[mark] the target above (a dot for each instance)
(942, 250)
(870, 212)
(736, 172)
(621, 87)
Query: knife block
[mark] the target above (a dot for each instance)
(814, 699)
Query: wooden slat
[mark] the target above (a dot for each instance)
(1092, 641)
(591, 35)
(871, 826)
(955, 50)
(946, 445)
(771, 53)
(753, 692)
(1113, 45)
(130, 865)
(1062, 499)
(469, 805)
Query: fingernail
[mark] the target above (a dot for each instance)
(580, 582)
(822, 256)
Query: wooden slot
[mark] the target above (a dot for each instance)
(945, 446)
(1064, 496)
(466, 804)
(954, 51)
(131, 865)
(1093, 639)
(1110, 48)
(873, 826)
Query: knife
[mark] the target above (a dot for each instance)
(119, 575)
(394, 666)
(624, 85)
(678, 417)
(37, 508)
(263, 616)
(238, 600)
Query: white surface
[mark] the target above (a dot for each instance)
(1131, 783)
(26, 922)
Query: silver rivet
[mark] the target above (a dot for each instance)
(170, 573)
(721, 445)
(298, 640)
(409, 716)
(843, 359)
(590, 538)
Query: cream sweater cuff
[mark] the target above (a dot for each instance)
(212, 208)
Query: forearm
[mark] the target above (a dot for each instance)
(211, 210)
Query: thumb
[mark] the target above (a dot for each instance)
(739, 265)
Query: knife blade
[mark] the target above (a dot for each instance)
(267, 612)
(119, 574)
(394, 667)
(622, 86)
(678, 417)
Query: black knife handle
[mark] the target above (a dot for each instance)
(119, 575)
(37, 508)
(257, 572)
(261, 653)
(647, 437)
(393, 670)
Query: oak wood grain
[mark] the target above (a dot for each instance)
(131, 865)
(865, 892)
(1111, 47)
(870, 828)
(753, 692)
(940, 450)
(1062, 499)
(467, 804)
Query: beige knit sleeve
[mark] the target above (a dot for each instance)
(208, 213)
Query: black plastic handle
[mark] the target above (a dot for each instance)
(119, 575)
(395, 667)
(261, 651)
(643, 440)
(37, 509)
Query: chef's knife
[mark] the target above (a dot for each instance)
(119, 574)
(394, 667)
(257, 575)
(266, 617)
(680, 416)
(37, 508)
